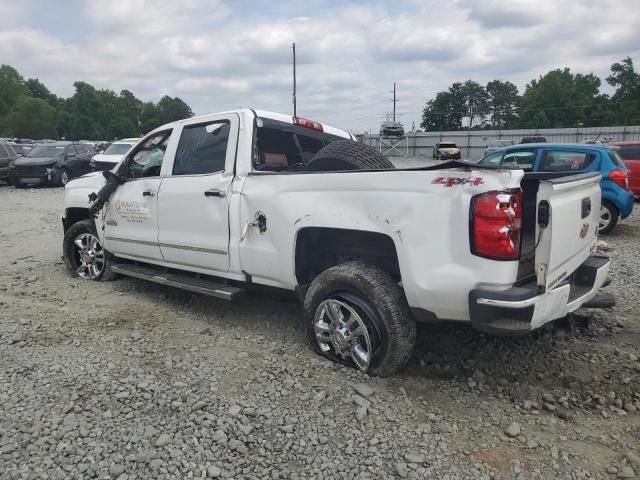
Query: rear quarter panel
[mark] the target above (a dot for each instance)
(427, 221)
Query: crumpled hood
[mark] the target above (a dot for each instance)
(101, 157)
(449, 151)
(36, 160)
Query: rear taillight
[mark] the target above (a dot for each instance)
(620, 177)
(496, 225)
(303, 122)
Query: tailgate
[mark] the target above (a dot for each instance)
(569, 237)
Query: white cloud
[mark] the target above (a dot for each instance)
(218, 54)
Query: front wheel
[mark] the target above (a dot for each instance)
(83, 253)
(357, 315)
(62, 177)
(608, 217)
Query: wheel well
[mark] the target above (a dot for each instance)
(75, 215)
(320, 248)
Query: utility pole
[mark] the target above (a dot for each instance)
(294, 81)
(394, 101)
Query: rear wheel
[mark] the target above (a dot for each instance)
(608, 217)
(348, 155)
(357, 315)
(83, 253)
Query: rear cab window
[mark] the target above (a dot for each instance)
(281, 146)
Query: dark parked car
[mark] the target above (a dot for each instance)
(391, 129)
(446, 151)
(51, 164)
(7, 155)
(534, 139)
(617, 199)
(21, 149)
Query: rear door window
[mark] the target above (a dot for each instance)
(519, 159)
(202, 149)
(3, 151)
(565, 161)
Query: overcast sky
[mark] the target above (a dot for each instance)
(219, 54)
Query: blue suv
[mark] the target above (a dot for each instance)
(617, 199)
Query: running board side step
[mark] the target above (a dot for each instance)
(186, 282)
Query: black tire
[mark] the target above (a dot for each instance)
(19, 185)
(347, 155)
(71, 254)
(613, 215)
(62, 177)
(380, 302)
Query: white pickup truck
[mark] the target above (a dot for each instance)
(221, 202)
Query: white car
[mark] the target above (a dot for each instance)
(113, 154)
(220, 203)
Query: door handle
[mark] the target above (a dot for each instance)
(214, 193)
(148, 193)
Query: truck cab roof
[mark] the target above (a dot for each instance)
(250, 114)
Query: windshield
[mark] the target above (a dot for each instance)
(447, 145)
(117, 149)
(46, 151)
(21, 149)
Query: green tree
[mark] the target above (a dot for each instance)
(37, 89)
(86, 109)
(149, 117)
(626, 99)
(476, 102)
(32, 118)
(435, 115)
(11, 88)
(130, 109)
(172, 109)
(504, 102)
(560, 99)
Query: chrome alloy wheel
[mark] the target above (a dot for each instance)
(605, 218)
(91, 256)
(340, 328)
(64, 177)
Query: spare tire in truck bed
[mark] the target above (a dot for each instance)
(347, 155)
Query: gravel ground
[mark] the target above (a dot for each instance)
(129, 380)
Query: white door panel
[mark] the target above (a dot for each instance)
(193, 200)
(131, 219)
(193, 227)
